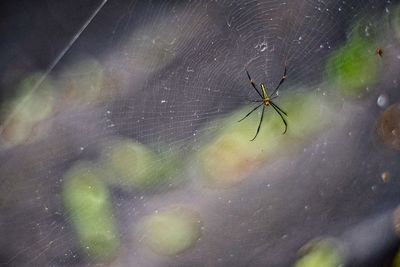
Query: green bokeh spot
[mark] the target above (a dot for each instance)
(354, 67)
(127, 163)
(322, 254)
(87, 201)
(172, 231)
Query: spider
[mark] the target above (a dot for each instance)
(265, 101)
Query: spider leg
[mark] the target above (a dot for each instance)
(248, 114)
(254, 101)
(259, 125)
(283, 119)
(253, 84)
(284, 77)
(281, 110)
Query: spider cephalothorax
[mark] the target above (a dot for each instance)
(266, 100)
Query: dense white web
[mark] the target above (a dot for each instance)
(205, 48)
(171, 73)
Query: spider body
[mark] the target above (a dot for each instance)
(266, 101)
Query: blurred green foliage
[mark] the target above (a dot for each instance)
(128, 163)
(231, 156)
(322, 254)
(87, 200)
(171, 231)
(27, 110)
(353, 68)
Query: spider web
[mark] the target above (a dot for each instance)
(174, 69)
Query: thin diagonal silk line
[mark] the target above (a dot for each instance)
(52, 66)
